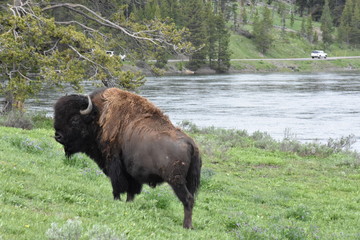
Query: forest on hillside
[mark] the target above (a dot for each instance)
(54, 43)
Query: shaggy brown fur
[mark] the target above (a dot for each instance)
(121, 109)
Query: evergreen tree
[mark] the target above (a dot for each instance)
(223, 58)
(262, 30)
(315, 37)
(212, 38)
(326, 24)
(309, 29)
(355, 24)
(219, 38)
(235, 16)
(244, 15)
(345, 22)
(292, 18)
(302, 30)
(303, 4)
(194, 19)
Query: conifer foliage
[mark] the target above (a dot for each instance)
(326, 24)
(40, 45)
(262, 30)
(349, 29)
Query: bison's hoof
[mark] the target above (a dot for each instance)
(188, 226)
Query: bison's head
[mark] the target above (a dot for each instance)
(74, 119)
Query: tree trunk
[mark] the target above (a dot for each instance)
(10, 104)
(7, 103)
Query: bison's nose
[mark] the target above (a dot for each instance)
(59, 138)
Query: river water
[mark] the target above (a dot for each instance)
(310, 106)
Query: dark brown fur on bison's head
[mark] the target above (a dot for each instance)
(73, 128)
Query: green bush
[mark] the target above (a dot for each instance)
(73, 230)
(222, 140)
(300, 212)
(16, 119)
(99, 232)
(28, 121)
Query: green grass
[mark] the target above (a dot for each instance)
(252, 187)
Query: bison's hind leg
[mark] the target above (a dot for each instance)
(187, 200)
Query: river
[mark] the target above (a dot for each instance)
(310, 106)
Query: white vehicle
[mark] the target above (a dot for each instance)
(318, 54)
(111, 53)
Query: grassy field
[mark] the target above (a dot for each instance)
(252, 187)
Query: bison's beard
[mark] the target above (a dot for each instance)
(68, 151)
(73, 147)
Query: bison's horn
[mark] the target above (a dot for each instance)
(88, 109)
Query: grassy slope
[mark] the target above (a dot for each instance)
(247, 193)
(289, 45)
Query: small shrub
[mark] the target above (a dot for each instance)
(25, 120)
(189, 127)
(300, 212)
(180, 66)
(27, 144)
(343, 143)
(70, 230)
(264, 141)
(221, 140)
(352, 161)
(99, 232)
(293, 233)
(16, 119)
(141, 64)
(206, 175)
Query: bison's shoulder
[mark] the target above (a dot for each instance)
(121, 110)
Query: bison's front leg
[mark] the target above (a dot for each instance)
(133, 188)
(118, 180)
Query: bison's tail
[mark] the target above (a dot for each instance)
(193, 176)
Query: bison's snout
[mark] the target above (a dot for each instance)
(59, 138)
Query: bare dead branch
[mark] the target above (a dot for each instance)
(52, 48)
(156, 39)
(82, 25)
(106, 82)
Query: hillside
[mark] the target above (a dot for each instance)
(288, 42)
(252, 187)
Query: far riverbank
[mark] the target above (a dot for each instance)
(260, 66)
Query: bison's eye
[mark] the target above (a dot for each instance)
(75, 120)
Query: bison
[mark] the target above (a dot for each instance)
(131, 141)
